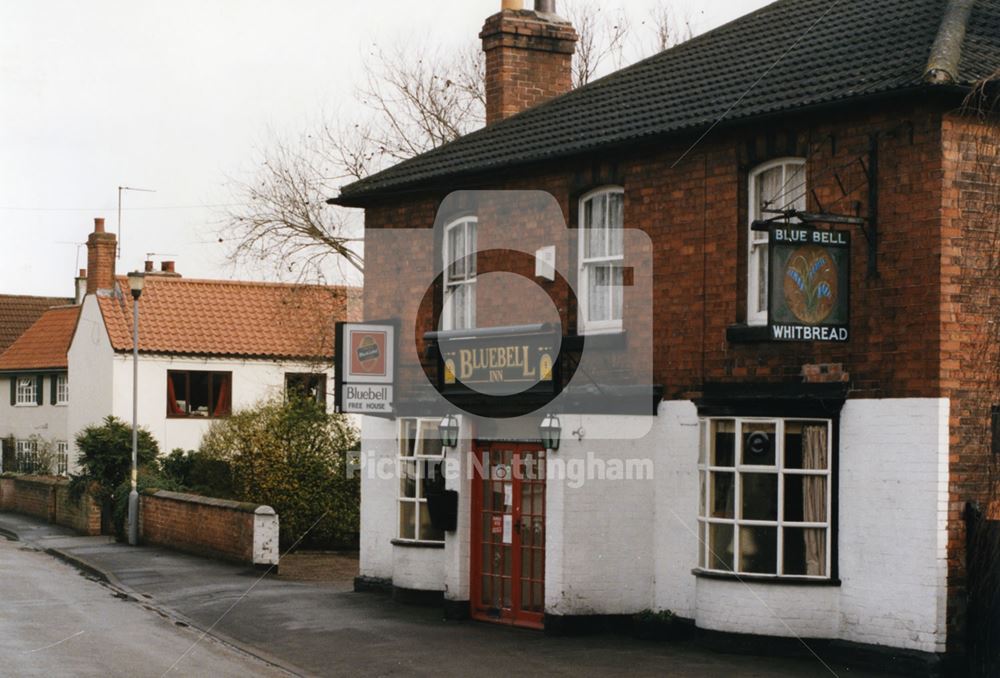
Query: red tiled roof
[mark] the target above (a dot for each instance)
(45, 344)
(18, 313)
(229, 318)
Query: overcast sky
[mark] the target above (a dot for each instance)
(173, 96)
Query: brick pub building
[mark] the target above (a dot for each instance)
(812, 488)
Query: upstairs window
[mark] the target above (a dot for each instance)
(27, 391)
(199, 394)
(460, 274)
(62, 389)
(601, 272)
(776, 185)
(306, 385)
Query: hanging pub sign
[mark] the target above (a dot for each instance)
(809, 291)
(365, 368)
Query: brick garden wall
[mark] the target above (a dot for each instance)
(211, 527)
(49, 499)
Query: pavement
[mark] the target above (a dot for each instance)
(326, 629)
(57, 623)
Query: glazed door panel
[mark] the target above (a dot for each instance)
(508, 563)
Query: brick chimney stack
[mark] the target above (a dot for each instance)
(529, 58)
(102, 249)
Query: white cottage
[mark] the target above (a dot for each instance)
(206, 348)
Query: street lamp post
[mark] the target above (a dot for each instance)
(135, 282)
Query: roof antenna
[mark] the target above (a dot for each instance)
(120, 189)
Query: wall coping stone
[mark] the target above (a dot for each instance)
(241, 507)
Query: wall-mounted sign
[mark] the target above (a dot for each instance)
(498, 364)
(809, 292)
(365, 357)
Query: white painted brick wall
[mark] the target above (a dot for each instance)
(617, 547)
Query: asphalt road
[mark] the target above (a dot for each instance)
(56, 622)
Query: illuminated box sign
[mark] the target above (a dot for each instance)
(499, 365)
(365, 357)
(809, 291)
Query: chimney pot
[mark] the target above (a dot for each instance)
(167, 267)
(99, 225)
(512, 4)
(149, 267)
(83, 273)
(545, 6)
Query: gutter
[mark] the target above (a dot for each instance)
(946, 53)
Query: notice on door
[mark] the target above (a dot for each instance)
(497, 526)
(508, 529)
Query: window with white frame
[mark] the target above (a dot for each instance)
(27, 391)
(776, 185)
(459, 311)
(601, 272)
(765, 497)
(421, 474)
(26, 456)
(62, 389)
(62, 458)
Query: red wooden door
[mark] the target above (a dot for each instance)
(508, 534)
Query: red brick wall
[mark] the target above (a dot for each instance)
(696, 214)
(970, 348)
(49, 499)
(210, 527)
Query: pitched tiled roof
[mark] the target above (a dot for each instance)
(44, 345)
(228, 318)
(838, 50)
(18, 313)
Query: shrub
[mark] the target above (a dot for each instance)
(106, 458)
(292, 455)
(199, 473)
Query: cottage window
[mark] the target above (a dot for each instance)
(460, 275)
(199, 394)
(775, 185)
(62, 458)
(601, 272)
(26, 456)
(421, 465)
(28, 391)
(764, 505)
(62, 389)
(306, 385)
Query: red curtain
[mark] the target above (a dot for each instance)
(223, 404)
(172, 408)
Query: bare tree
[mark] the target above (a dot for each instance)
(410, 100)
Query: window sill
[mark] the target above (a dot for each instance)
(747, 334)
(27, 405)
(600, 341)
(764, 579)
(404, 543)
(195, 417)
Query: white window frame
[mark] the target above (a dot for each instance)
(467, 279)
(62, 458)
(62, 389)
(587, 264)
(24, 450)
(27, 395)
(425, 429)
(757, 241)
(739, 469)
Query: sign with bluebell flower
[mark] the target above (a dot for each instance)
(809, 292)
